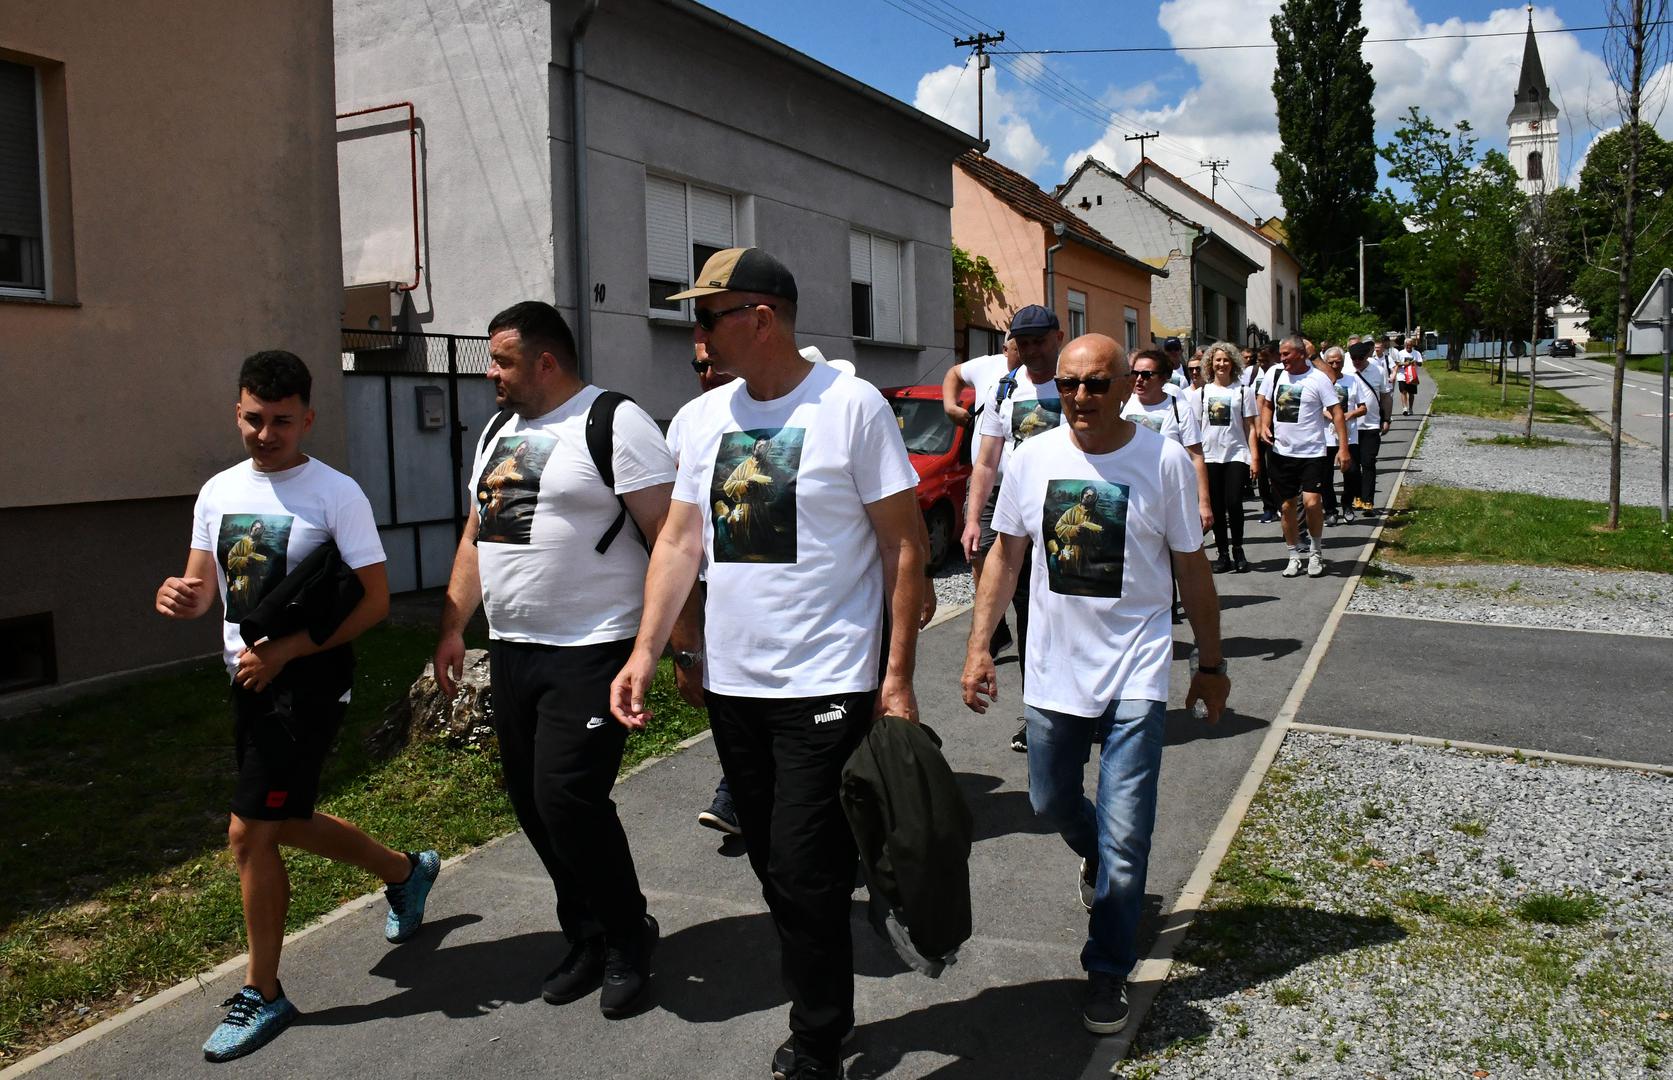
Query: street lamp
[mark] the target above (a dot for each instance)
(1362, 246)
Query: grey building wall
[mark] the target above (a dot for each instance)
(1146, 231)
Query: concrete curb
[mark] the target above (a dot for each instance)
(1153, 969)
(1484, 748)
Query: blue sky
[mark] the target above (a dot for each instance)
(1044, 114)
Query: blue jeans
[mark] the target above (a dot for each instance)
(1114, 836)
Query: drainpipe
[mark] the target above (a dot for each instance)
(578, 158)
(1057, 230)
(1200, 239)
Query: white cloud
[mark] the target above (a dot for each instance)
(949, 95)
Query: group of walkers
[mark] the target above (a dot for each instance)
(772, 543)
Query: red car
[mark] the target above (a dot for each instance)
(940, 452)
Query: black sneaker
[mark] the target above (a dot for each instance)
(720, 816)
(627, 973)
(1106, 1004)
(1019, 741)
(1001, 638)
(1239, 563)
(784, 1059)
(1222, 565)
(579, 975)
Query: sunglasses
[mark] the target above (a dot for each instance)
(1194, 369)
(1068, 385)
(707, 318)
(1145, 374)
(702, 366)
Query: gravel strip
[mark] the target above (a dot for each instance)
(1617, 602)
(953, 584)
(1380, 915)
(1579, 469)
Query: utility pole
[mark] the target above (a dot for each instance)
(1362, 246)
(980, 44)
(1141, 138)
(1214, 166)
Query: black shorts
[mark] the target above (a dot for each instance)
(282, 735)
(1291, 476)
(985, 520)
(1408, 387)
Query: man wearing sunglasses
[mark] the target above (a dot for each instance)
(1170, 416)
(793, 622)
(1024, 404)
(1109, 508)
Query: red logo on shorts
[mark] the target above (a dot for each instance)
(276, 799)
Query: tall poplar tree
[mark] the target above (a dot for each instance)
(1327, 160)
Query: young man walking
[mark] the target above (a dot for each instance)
(1372, 425)
(796, 486)
(560, 571)
(1110, 508)
(1298, 402)
(253, 525)
(1020, 407)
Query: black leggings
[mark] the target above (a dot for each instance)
(1225, 495)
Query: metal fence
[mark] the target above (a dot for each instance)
(412, 401)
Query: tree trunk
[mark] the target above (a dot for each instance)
(1503, 389)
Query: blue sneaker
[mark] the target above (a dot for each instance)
(406, 900)
(251, 1023)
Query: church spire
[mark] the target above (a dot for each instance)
(1533, 96)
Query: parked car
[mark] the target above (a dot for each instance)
(1563, 347)
(940, 452)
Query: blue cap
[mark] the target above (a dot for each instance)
(1031, 320)
(1173, 343)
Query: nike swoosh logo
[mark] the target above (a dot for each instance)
(595, 722)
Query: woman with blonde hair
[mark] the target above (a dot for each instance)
(1228, 410)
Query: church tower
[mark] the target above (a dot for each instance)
(1533, 124)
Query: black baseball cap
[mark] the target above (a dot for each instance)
(1173, 343)
(1033, 320)
(742, 270)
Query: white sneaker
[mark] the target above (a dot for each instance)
(1315, 564)
(1293, 567)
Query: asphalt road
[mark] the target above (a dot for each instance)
(462, 998)
(1590, 385)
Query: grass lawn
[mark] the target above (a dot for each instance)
(1441, 524)
(119, 882)
(1474, 393)
(1634, 363)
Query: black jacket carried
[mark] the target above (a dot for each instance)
(317, 596)
(913, 830)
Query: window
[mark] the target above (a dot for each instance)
(874, 280)
(684, 225)
(980, 341)
(1536, 166)
(1077, 313)
(22, 221)
(1131, 315)
(1295, 319)
(1278, 306)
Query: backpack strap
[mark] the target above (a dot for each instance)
(500, 419)
(1006, 386)
(601, 445)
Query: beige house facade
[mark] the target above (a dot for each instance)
(167, 207)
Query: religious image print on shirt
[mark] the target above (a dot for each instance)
(509, 489)
(1085, 532)
(251, 549)
(1219, 410)
(1030, 418)
(1151, 420)
(752, 497)
(1287, 404)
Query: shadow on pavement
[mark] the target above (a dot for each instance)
(1264, 648)
(458, 982)
(1239, 948)
(1229, 602)
(998, 813)
(1182, 727)
(1030, 1030)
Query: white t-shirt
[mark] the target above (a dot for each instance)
(795, 602)
(981, 373)
(1373, 385)
(1350, 394)
(1224, 410)
(541, 506)
(1171, 417)
(1299, 418)
(1099, 625)
(1410, 363)
(1030, 410)
(259, 526)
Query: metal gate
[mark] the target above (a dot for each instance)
(411, 403)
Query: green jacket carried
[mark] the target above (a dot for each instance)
(913, 830)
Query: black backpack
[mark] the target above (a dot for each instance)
(601, 431)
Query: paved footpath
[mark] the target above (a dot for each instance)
(463, 998)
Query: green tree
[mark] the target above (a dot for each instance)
(1338, 319)
(974, 279)
(1594, 241)
(1326, 162)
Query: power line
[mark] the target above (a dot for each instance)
(1274, 45)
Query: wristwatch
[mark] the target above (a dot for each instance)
(1208, 669)
(688, 660)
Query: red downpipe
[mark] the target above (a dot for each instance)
(412, 147)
